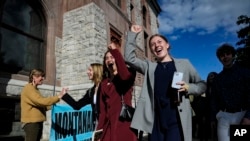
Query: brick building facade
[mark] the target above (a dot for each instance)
(63, 37)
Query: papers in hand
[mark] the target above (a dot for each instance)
(97, 134)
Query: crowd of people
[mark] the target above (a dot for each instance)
(164, 109)
(226, 101)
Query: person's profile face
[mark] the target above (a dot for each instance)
(90, 73)
(38, 79)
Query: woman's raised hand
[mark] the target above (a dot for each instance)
(136, 28)
(112, 46)
(63, 92)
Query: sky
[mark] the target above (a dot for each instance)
(196, 28)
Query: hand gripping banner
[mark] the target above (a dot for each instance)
(71, 125)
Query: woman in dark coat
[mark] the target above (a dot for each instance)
(95, 72)
(119, 81)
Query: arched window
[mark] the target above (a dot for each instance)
(22, 28)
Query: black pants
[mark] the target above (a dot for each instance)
(33, 131)
(166, 124)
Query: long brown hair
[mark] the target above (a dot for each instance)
(106, 72)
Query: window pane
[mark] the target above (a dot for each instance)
(18, 14)
(19, 52)
(21, 36)
(33, 55)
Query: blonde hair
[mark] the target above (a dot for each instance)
(97, 72)
(36, 72)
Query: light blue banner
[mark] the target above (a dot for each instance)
(71, 125)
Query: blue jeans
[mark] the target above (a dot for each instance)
(226, 119)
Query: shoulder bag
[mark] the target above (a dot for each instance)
(127, 111)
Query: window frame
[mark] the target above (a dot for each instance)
(39, 11)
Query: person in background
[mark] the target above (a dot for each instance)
(159, 111)
(230, 100)
(118, 80)
(213, 130)
(95, 72)
(201, 106)
(34, 106)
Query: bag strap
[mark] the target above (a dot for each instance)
(122, 100)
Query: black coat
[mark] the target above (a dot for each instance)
(85, 100)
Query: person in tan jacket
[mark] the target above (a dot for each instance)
(34, 106)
